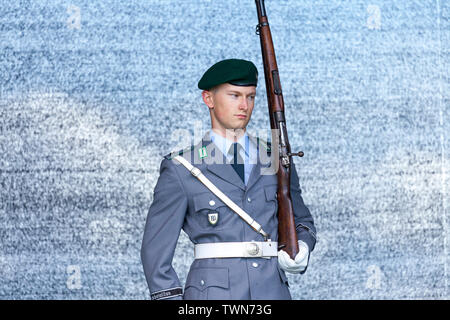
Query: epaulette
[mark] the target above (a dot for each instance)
(179, 153)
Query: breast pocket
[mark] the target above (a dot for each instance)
(207, 284)
(211, 212)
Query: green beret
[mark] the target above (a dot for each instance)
(234, 71)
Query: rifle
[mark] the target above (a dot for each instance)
(287, 235)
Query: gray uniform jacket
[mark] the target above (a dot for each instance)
(182, 202)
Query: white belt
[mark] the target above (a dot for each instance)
(253, 249)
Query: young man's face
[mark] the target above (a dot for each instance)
(230, 106)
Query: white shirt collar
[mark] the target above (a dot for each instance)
(224, 144)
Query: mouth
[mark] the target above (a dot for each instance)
(241, 116)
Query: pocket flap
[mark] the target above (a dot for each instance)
(202, 278)
(206, 200)
(271, 192)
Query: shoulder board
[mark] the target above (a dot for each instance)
(179, 153)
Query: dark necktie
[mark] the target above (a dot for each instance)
(238, 163)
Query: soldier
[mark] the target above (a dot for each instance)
(233, 260)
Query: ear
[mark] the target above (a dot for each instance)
(208, 98)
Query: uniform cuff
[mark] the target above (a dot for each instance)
(306, 235)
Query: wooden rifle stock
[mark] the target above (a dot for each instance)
(287, 235)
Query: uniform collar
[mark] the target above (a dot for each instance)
(227, 173)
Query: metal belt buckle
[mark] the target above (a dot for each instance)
(253, 249)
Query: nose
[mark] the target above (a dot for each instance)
(243, 104)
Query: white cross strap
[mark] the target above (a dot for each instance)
(233, 206)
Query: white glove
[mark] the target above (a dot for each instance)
(301, 259)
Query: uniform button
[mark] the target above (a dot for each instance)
(202, 282)
(255, 265)
(212, 202)
(249, 200)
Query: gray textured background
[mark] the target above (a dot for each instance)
(90, 92)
